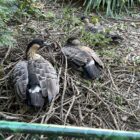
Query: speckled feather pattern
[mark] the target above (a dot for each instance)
(81, 55)
(45, 73)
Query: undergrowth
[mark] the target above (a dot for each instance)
(70, 23)
(12, 12)
(111, 7)
(6, 11)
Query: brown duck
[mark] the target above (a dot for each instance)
(35, 78)
(83, 57)
(100, 29)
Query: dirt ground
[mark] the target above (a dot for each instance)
(110, 102)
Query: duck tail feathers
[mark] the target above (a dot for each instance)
(34, 97)
(91, 70)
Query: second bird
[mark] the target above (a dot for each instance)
(83, 57)
(100, 29)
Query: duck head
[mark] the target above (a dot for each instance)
(73, 41)
(34, 46)
(84, 19)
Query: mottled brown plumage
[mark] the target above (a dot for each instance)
(83, 57)
(35, 78)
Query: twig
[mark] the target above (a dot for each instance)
(64, 87)
(73, 100)
(9, 66)
(67, 102)
(4, 97)
(117, 88)
(7, 117)
(51, 110)
(5, 77)
(131, 82)
(110, 112)
(129, 113)
(74, 87)
(113, 81)
(7, 53)
(80, 113)
(10, 137)
(47, 115)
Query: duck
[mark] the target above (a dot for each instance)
(83, 57)
(35, 78)
(89, 27)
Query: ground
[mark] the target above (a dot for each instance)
(111, 102)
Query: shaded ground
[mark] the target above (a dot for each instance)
(112, 102)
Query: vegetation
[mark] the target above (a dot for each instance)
(95, 39)
(12, 12)
(7, 9)
(111, 6)
(27, 8)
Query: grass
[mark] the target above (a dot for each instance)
(111, 7)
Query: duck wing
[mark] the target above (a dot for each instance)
(93, 55)
(76, 55)
(86, 58)
(47, 77)
(20, 78)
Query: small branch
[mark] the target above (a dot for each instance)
(110, 112)
(64, 87)
(7, 117)
(7, 53)
(117, 88)
(73, 100)
(113, 81)
(51, 110)
(132, 81)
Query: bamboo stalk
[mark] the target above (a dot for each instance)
(61, 130)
